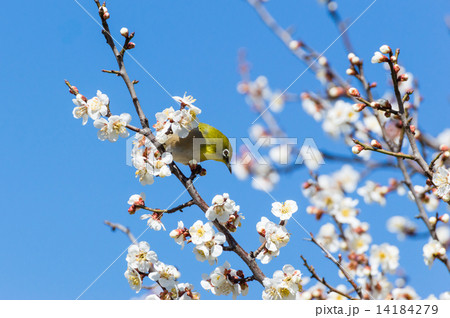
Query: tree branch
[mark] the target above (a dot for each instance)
(125, 230)
(323, 281)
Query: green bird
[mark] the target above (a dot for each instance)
(203, 143)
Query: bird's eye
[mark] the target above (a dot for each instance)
(226, 153)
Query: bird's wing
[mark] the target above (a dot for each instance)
(182, 149)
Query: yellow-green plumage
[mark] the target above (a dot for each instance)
(203, 143)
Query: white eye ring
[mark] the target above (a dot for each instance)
(226, 152)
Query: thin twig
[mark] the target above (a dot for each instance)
(120, 227)
(173, 210)
(323, 281)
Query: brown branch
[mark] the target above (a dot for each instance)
(341, 26)
(187, 182)
(120, 227)
(338, 264)
(173, 210)
(323, 281)
(405, 120)
(390, 153)
(304, 53)
(422, 213)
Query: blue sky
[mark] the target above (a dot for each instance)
(59, 182)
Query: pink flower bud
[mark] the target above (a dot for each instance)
(323, 61)
(444, 218)
(336, 91)
(106, 15)
(350, 56)
(393, 58)
(355, 60)
(373, 85)
(357, 149)
(378, 58)
(304, 95)
(385, 49)
(358, 107)
(396, 68)
(403, 78)
(353, 92)
(375, 105)
(376, 144)
(443, 148)
(74, 90)
(350, 71)
(295, 45)
(412, 128)
(432, 220)
(131, 45)
(306, 185)
(124, 32)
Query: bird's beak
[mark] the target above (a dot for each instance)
(229, 167)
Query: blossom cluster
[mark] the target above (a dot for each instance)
(286, 284)
(143, 262)
(224, 281)
(111, 127)
(171, 123)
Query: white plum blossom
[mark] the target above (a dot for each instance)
(165, 275)
(140, 257)
(291, 276)
(378, 57)
(339, 119)
(179, 234)
(401, 226)
(347, 178)
(112, 128)
(201, 233)
(286, 284)
(219, 283)
(313, 109)
(210, 250)
(154, 221)
(441, 178)
(98, 105)
(170, 122)
(345, 212)
(134, 279)
(444, 138)
(144, 168)
(265, 256)
(445, 296)
(136, 198)
(275, 236)
(259, 134)
(432, 250)
(406, 293)
(284, 210)
(359, 243)
(81, 109)
(335, 296)
(188, 100)
(386, 256)
(221, 209)
(328, 237)
(443, 234)
(372, 192)
(160, 163)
